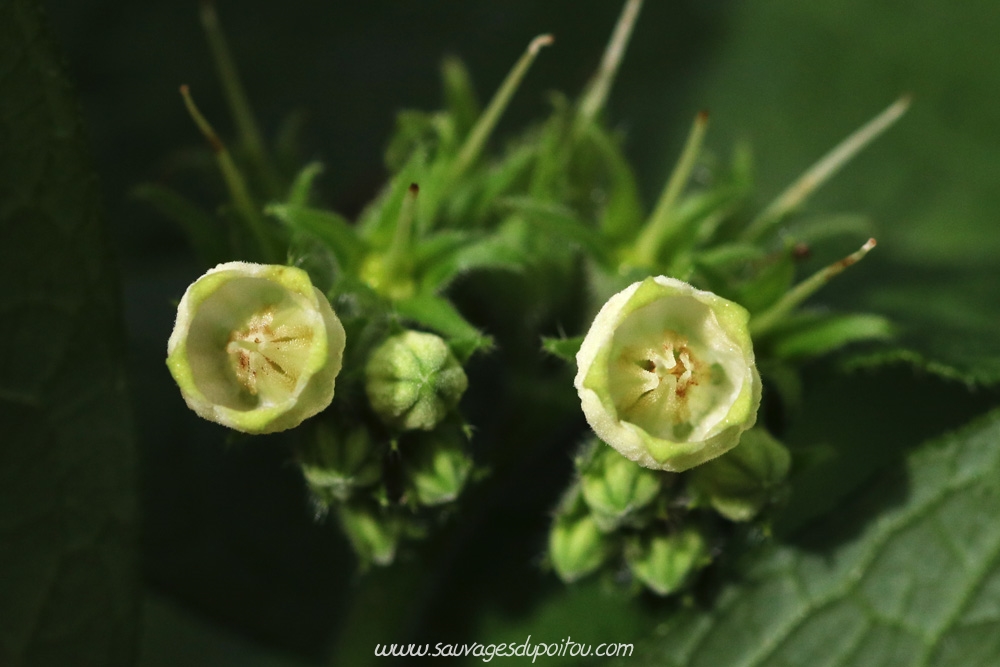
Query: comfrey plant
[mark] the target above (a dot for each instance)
(694, 308)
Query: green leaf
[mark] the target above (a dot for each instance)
(460, 96)
(947, 320)
(563, 224)
(623, 214)
(772, 279)
(438, 314)
(301, 189)
(811, 334)
(414, 130)
(917, 584)
(492, 252)
(68, 593)
(332, 229)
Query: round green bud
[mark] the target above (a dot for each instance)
(664, 563)
(413, 380)
(740, 483)
(255, 347)
(666, 374)
(615, 487)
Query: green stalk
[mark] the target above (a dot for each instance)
(235, 183)
(596, 93)
(487, 121)
(824, 169)
(236, 97)
(662, 225)
(761, 324)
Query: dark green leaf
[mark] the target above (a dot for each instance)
(68, 592)
(894, 355)
(918, 584)
(947, 318)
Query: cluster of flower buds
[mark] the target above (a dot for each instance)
(667, 378)
(258, 349)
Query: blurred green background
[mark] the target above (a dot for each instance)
(235, 570)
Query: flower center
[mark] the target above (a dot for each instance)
(673, 367)
(267, 354)
(655, 386)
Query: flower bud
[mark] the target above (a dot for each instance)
(413, 380)
(666, 374)
(664, 563)
(740, 483)
(577, 547)
(373, 535)
(335, 464)
(613, 486)
(255, 347)
(436, 467)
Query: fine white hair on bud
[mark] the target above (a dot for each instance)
(255, 347)
(666, 374)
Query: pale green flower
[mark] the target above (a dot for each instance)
(255, 347)
(666, 374)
